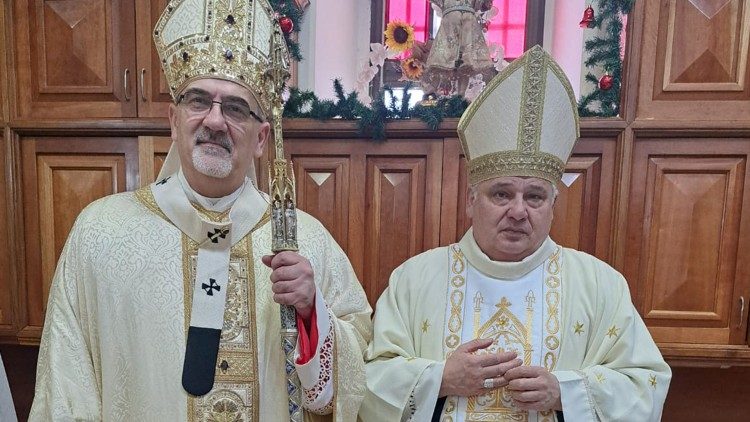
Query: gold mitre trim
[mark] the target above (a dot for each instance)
(224, 39)
(526, 141)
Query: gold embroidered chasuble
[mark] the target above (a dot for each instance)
(585, 331)
(119, 306)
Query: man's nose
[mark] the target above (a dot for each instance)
(215, 119)
(517, 209)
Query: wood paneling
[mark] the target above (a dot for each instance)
(152, 151)
(3, 68)
(153, 92)
(685, 234)
(701, 51)
(323, 189)
(386, 194)
(8, 285)
(75, 59)
(60, 177)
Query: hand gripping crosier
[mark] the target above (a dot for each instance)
(283, 216)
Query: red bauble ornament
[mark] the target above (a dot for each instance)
(287, 25)
(588, 18)
(486, 26)
(606, 82)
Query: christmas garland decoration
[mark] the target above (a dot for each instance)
(604, 52)
(290, 20)
(371, 119)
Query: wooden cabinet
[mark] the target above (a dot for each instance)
(380, 201)
(695, 60)
(60, 177)
(688, 239)
(9, 291)
(80, 60)
(153, 98)
(3, 69)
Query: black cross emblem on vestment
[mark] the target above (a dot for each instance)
(218, 233)
(163, 181)
(209, 288)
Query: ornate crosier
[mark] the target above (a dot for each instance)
(283, 216)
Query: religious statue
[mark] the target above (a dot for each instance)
(290, 218)
(459, 51)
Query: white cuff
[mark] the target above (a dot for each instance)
(426, 392)
(576, 402)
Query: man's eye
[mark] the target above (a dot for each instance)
(236, 110)
(199, 102)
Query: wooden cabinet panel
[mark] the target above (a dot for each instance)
(8, 285)
(75, 59)
(60, 177)
(153, 92)
(686, 236)
(381, 201)
(701, 68)
(323, 189)
(3, 68)
(583, 210)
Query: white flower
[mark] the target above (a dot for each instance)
(363, 81)
(497, 53)
(378, 54)
(475, 87)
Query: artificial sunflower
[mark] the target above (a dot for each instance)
(399, 36)
(412, 68)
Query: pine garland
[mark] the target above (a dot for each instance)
(372, 119)
(289, 9)
(604, 52)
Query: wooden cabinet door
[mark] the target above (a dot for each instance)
(688, 238)
(8, 285)
(60, 177)
(380, 201)
(3, 68)
(74, 59)
(694, 60)
(153, 92)
(583, 210)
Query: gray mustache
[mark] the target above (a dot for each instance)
(221, 139)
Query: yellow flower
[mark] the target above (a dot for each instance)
(399, 36)
(412, 68)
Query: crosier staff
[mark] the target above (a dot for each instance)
(284, 217)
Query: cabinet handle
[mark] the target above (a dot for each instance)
(143, 91)
(125, 83)
(742, 311)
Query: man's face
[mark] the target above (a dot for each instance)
(511, 216)
(217, 140)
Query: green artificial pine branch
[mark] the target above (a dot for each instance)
(604, 52)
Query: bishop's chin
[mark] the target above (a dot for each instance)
(211, 165)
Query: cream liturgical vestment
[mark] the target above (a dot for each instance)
(114, 340)
(558, 308)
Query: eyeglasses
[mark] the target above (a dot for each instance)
(234, 109)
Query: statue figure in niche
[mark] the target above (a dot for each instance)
(459, 51)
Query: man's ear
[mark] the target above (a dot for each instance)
(471, 198)
(264, 134)
(173, 121)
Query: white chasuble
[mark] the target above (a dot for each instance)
(520, 316)
(558, 308)
(114, 340)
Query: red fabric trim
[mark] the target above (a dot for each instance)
(308, 344)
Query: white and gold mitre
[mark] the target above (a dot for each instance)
(524, 123)
(234, 40)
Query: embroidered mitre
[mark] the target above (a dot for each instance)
(235, 40)
(524, 123)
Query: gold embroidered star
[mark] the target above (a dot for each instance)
(409, 359)
(613, 331)
(425, 325)
(652, 380)
(578, 328)
(599, 378)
